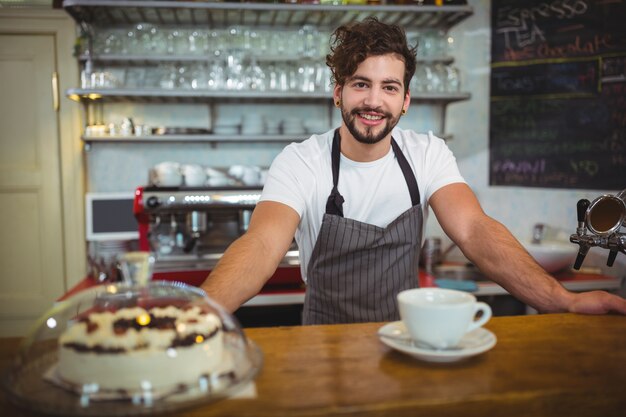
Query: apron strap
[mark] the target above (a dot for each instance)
(334, 204)
(409, 176)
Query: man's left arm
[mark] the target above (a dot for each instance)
(499, 255)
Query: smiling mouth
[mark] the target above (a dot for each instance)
(371, 116)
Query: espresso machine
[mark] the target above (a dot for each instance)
(600, 224)
(189, 228)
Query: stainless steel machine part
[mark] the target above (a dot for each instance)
(604, 218)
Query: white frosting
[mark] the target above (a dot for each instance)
(157, 339)
(171, 311)
(123, 313)
(148, 356)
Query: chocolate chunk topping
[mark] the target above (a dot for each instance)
(162, 323)
(95, 349)
(91, 326)
(190, 339)
(120, 330)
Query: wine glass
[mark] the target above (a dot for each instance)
(254, 77)
(216, 78)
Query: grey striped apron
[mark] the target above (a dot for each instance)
(357, 269)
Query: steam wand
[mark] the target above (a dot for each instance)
(581, 237)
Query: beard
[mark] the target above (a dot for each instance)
(367, 135)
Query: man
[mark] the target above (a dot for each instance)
(355, 199)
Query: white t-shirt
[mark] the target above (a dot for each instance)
(374, 192)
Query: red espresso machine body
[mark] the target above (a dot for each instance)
(189, 228)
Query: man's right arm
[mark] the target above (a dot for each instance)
(252, 259)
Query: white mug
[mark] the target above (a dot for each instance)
(217, 178)
(195, 176)
(439, 318)
(251, 176)
(166, 174)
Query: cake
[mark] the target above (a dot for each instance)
(133, 349)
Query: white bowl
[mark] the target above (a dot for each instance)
(553, 256)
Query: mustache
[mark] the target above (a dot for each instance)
(378, 110)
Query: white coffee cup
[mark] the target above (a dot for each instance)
(166, 174)
(195, 175)
(218, 178)
(439, 318)
(251, 176)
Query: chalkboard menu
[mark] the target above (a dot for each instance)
(558, 94)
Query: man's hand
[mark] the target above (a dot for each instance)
(597, 302)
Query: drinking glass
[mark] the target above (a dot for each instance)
(197, 41)
(258, 42)
(234, 71)
(453, 81)
(254, 77)
(108, 42)
(216, 42)
(306, 78)
(128, 42)
(423, 78)
(152, 77)
(148, 39)
(183, 77)
(438, 80)
(216, 78)
(308, 42)
(167, 79)
(293, 78)
(235, 38)
(136, 267)
(199, 76)
(433, 43)
(278, 43)
(272, 78)
(135, 77)
(176, 42)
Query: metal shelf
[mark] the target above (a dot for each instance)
(444, 98)
(169, 96)
(209, 138)
(157, 95)
(151, 60)
(210, 14)
(194, 138)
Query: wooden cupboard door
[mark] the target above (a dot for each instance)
(31, 234)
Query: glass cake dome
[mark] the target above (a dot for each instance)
(125, 349)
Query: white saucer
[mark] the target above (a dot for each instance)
(395, 335)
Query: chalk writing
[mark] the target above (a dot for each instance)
(525, 30)
(520, 26)
(520, 167)
(554, 78)
(598, 43)
(588, 167)
(531, 149)
(558, 94)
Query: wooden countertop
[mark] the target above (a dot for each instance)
(543, 365)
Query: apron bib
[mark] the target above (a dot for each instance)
(357, 269)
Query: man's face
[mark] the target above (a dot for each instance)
(373, 97)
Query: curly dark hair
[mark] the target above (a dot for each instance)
(352, 43)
